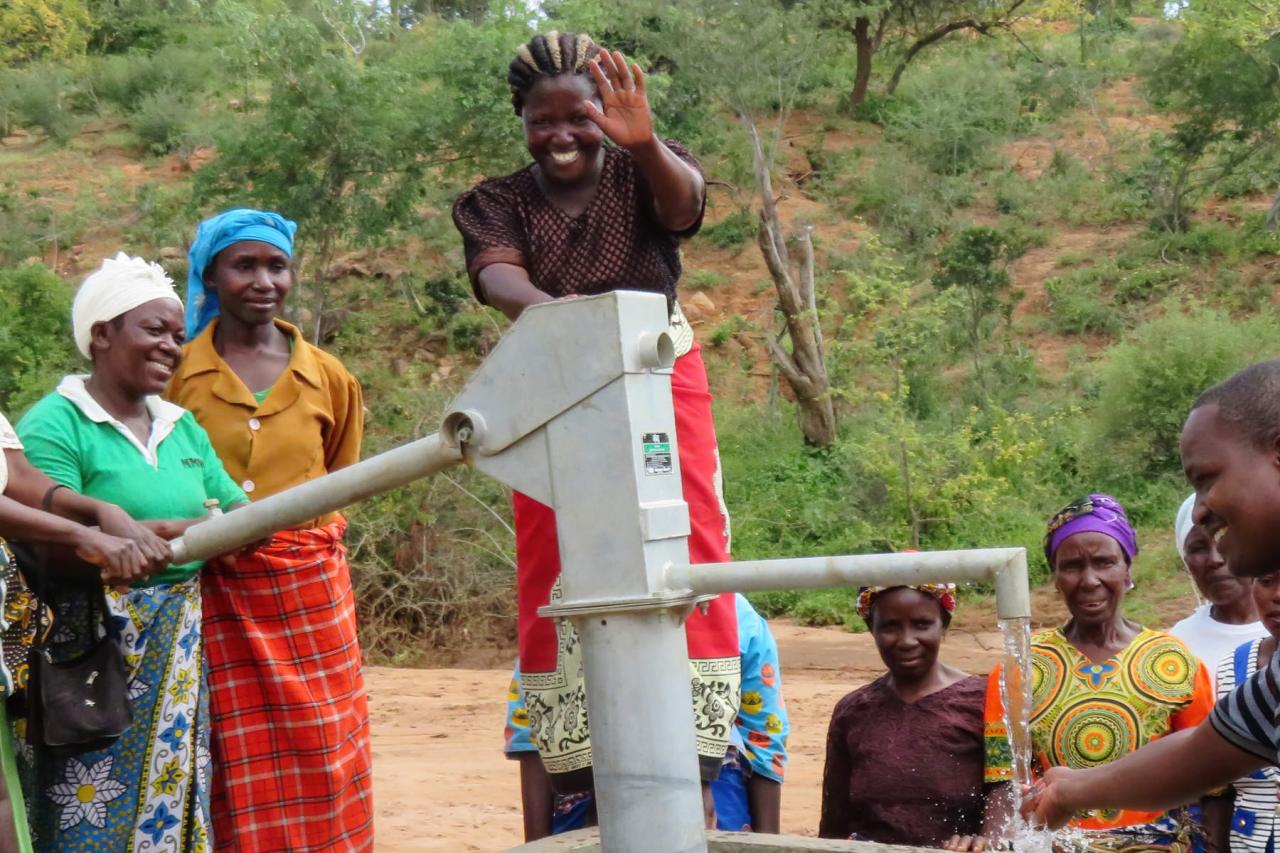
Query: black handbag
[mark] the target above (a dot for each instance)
(80, 704)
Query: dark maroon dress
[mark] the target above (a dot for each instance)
(901, 773)
(616, 243)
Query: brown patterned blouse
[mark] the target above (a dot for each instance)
(901, 773)
(616, 243)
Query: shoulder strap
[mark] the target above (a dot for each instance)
(1241, 660)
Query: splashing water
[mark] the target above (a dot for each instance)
(1016, 693)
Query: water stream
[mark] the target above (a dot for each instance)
(1016, 693)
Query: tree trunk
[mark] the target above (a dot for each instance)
(804, 367)
(865, 48)
(1273, 215)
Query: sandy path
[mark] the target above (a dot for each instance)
(441, 783)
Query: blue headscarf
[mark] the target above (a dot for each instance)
(217, 233)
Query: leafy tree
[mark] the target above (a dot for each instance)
(1226, 95)
(42, 29)
(910, 26)
(348, 147)
(34, 345)
(975, 266)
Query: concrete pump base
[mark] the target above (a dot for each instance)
(588, 841)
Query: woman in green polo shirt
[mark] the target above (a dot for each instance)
(124, 558)
(110, 436)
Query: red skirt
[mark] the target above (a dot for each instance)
(292, 765)
(550, 658)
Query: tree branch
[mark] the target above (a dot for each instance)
(786, 365)
(807, 291)
(1003, 21)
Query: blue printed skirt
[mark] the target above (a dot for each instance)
(148, 791)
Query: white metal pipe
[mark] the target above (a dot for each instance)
(982, 564)
(642, 732)
(1013, 588)
(313, 498)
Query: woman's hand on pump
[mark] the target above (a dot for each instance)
(118, 523)
(625, 117)
(119, 560)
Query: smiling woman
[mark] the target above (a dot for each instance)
(905, 752)
(1229, 616)
(602, 207)
(108, 435)
(280, 623)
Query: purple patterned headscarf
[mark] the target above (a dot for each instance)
(1091, 514)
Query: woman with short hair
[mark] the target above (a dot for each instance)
(108, 435)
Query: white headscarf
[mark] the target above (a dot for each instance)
(118, 286)
(1182, 525)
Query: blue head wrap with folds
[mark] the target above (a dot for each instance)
(217, 233)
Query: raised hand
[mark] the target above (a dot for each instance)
(625, 117)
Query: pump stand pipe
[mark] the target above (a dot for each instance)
(283, 510)
(1007, 567)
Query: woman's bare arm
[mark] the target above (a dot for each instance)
(1170, 772)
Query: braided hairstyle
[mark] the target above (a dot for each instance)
(548, 55)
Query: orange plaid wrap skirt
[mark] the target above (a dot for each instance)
(292, 765)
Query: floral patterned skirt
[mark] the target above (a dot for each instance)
(148, 791)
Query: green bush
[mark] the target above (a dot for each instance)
(911, 206)
(1012, 193)
(35, 346)
(127, 80)
(446, 296)
(1054, 86)
(1148, 382)
(161, 216)
(35, 96)
(472, 332)
(161, 120)
(951, 114)
(1255, 175)
(815, 607)
(1148, 282)
(702, 279)
(1077, 305)
(734, 231)
(727, 330)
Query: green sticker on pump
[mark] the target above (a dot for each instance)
(657, 453)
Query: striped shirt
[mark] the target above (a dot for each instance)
(1246, 716)
(1253, 818)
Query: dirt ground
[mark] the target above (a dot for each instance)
(441, 783)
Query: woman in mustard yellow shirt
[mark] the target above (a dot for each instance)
(290, 716)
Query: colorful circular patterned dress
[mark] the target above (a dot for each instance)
(1086, 713)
